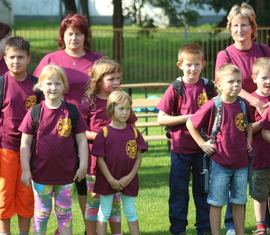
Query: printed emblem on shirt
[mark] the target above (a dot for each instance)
(30, 101)
(64, 127)
(131, 148)
(202, 99)
(239, 121)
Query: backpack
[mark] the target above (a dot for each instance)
(215, 129)
(105, 132)
(35, 113)
(2, 80)
(260, 46)
(179, 90)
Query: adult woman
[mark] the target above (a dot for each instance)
(76, 58)
(242, 27)
(5, 34)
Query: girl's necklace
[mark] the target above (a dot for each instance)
(74, 62)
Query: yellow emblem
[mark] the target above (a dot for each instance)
(131, 148)
(202, 99)
(239, 121)
(30, 101)
(64, 127)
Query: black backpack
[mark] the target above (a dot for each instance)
(179, 88)
(2, 81)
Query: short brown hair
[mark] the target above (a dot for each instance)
(259, 64)
(190, 51)
(244, 11)
(115, 98)
(227, 69)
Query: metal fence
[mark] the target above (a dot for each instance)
(149, 55)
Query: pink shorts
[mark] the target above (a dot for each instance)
(15, 198)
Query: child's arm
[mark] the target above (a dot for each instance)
(266, 135)
(115, 184)
(83, 153)
(167, 120)
(26, 142)
(124, 181)
(256, 127)
(206, 146)
(90, 135)
(249, 137)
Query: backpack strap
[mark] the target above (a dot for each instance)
(35, 117)
(73, 115)
(218, 116)
(2, 78)
(178, 88)
(262, 49)
(227, 53)
(209, 87)
(38, 92)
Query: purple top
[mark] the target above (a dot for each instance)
(77, 74)
(120, 157)
(96, 118)
(243, 59)
(231, 140)
(194, 96)
(3, 66)
(14, 109)
(55, 160)
(260, 148)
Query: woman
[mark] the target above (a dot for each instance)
(76, 58)
(242, 27)
(5, 34)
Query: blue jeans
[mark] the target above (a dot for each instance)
(182, 165)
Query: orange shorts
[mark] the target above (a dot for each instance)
(15, 198)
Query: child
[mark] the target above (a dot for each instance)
(186, 155)
(118, 162)
(105, 78)
(229, 165)
(261, 149)
(18, 96)
(54, 165)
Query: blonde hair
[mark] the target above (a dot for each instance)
(115, 98)
(227, 69)
(259, 64)
(245, 11)
(52, 70)
(190, 51)
(100, 68)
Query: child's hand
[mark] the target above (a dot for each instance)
(80, 174)
(124, 181)
(208, 148)
(26, 179)
(115, 184)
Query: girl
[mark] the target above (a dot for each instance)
(54, 161)
(105, 78)
(118, 162)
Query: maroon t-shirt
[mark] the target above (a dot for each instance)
(260, 148)
(119, 148)
(77, 75)
(55, 160)
(18, 98)
(194, 96)
(3, 66)
(231, 140)
(96, 118)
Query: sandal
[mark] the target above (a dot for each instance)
(260, 231)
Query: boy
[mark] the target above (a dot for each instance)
(186, 155)
(18, 97)
(261, 149)
(230, 161)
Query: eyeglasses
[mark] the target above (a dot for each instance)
(242, 26)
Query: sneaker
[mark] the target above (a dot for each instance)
(230, 232)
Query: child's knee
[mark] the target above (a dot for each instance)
(131, 215)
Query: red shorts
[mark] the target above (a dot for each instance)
(15, 198)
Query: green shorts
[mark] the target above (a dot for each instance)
(261, 184)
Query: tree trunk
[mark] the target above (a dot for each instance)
(85, 11)
(70, 6)
(118, 33)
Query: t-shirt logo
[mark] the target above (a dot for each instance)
(64, 127)
(239, 121)
(202, 99)
(131, 148)
(30, 101)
